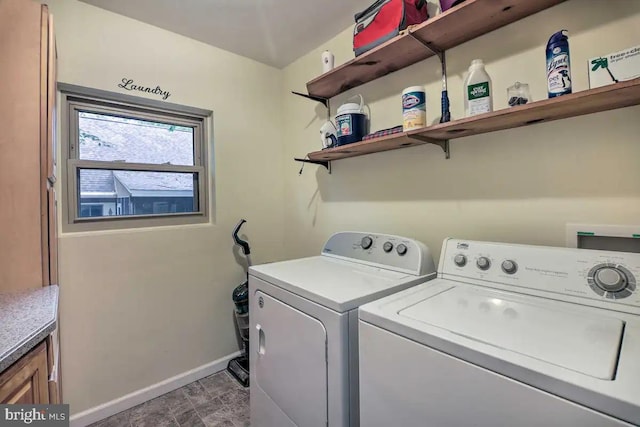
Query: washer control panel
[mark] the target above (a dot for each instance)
(387, 251)
(596, 275)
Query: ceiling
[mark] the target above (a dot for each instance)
(275, 32)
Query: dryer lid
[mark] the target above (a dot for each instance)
(334, 283)
(582, 342)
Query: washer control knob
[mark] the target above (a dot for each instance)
(483, 263)
(387, 247)
(610, 279)
(366, 242)
(509, 267)
(460, 260)
(401, 249)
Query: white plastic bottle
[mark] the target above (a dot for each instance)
(478, 92)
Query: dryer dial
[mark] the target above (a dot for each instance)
(483, 263)
(402, 249)
(509, 266)
(366, 242)
(460, 260)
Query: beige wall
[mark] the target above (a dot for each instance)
(519, 185)
(138, 307)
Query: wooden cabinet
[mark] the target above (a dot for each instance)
(28, 236)
(53, 368)
(28, 223)
(27, 381)
(52, 215)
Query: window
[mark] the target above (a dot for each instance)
(132, 162)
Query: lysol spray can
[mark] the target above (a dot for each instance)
(558, 65)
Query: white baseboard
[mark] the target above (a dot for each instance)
(123, 403)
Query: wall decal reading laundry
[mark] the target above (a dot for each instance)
(129, 84)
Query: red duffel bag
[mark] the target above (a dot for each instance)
(384, 20)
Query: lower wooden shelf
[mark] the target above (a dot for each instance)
(384, 143)
(619, 95)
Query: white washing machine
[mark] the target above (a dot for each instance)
(507, 335)
(304, 325)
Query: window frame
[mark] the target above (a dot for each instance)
(76, 99)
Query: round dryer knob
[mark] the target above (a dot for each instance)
(460, 260)
(610, 279)
(387, 247)
(366, 242)
(401, 249)
(509, 267)
(483, 263)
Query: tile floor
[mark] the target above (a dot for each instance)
(215, 401)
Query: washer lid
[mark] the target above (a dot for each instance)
(337, 284)
(582, 342)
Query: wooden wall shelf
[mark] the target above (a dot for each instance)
(385, 143)
(605, 98)
(462, 23)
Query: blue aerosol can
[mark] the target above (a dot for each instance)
(558, 65)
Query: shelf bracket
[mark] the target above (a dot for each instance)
(446, 112)
(323, 101)
(326, 164)
(433, 50)
(444, 144)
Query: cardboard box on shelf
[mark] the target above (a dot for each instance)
(614, 67)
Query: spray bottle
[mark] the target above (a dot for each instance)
(558, 65)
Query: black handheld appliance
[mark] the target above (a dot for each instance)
(239, 367)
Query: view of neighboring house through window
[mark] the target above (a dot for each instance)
(128, 162)
(120, 192)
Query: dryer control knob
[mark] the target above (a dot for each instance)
(401, 249)
(610, 279)
(366, 242)
(483, 263)
(387, 247)
(460, 260)
(509, 267)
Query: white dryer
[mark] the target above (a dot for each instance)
(507, 335)
(304, 325)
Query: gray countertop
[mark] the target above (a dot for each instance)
(26, 318)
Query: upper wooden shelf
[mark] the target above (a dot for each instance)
(605, 98)
(462, 23)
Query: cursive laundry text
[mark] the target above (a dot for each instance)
(128, 84)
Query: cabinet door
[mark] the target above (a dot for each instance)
(26, 382)
(21, 182)
(53, 359)
(52, 209)
(48, 167)
(52, 71)
(44, 140)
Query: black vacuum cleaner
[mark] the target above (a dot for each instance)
(239, 367)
